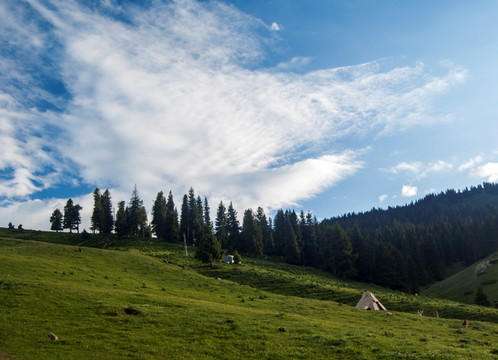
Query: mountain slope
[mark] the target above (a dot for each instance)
(108, 304)
(462, 286)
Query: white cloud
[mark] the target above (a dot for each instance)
(420, 170)
(175, 98)
(409, 191)
(470, 163)
(383, 197)
(488, 171)
(275, 27)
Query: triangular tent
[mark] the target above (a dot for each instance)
(369, 302)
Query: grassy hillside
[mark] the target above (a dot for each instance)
(462, 286)
(152, 303)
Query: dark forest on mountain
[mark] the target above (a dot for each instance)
(402, 248)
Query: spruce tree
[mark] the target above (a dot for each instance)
(55, 220)
(172, 230)
(107, 217)
(233, 227)
(220, 225)
(158, 221)
(481, 298)
(72, 217)
(209, 249)
(251, 238)
(121, 221)
(98, 212)
(136, 216)
(185, 223)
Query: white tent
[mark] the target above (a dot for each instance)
(369, 302)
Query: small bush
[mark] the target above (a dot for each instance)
(132, 311)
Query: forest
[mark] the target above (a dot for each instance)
(401, 248)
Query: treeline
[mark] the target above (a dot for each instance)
(400, 248)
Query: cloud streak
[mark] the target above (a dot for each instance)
(175, 95)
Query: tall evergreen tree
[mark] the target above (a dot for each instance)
(121, 221)
(233, 227)
(98, 211)
(251, 238)
(265, 231)
(310, 243)
(209, 249)
(208, 225)
(55, 221)
(72, 217)
(185, 222)
(158, 221)
(172, 230)
(107, 218)
(136, 216)
(221, 225)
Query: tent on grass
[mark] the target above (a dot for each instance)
(369, 302)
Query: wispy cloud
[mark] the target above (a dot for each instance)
(175, 96)
(470, 163)
(383, 198)
(419, 170)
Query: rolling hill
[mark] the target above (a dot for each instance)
(463, 285)
(145, 300)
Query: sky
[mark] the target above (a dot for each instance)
(318, 105)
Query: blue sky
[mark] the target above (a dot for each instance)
(320, 105)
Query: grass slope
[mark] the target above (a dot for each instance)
(140, 304)
(462, 286)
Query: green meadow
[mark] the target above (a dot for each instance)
(146, 300)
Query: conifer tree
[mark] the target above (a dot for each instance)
(72, 217)
(251, 238)
(55, 220)
(221, 225)
(233, 227)
(208, 225)
(172, 230)
(121, 221)
(265, 231)
(136, 216)
(158, 221)
(107, 218)
(209, 249)
(185, 223)
(98, 211)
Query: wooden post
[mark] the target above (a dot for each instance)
(185, 244)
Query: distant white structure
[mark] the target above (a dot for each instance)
(228, 259)
(369, 302)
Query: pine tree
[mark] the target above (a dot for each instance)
(136, 216)
(251, 238)
(221, 225)
(98, 212)
(107, 218)
(55, 220)
(72, 217)
(209, 249)
(265, 231)
(481, 298)
(185, 223)
(208, 225)
(233, 227)
(121, 221)
(172, 230)
(158, 222)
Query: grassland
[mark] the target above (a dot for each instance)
(145, 300)
(462, 286)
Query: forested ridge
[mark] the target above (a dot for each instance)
(402, 248)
